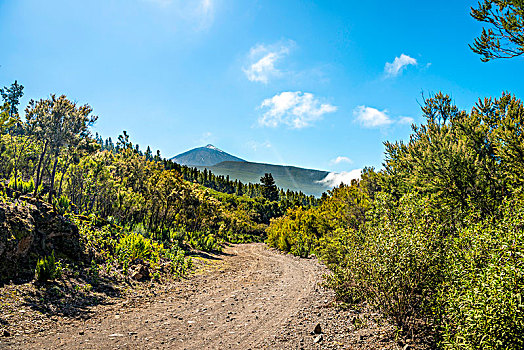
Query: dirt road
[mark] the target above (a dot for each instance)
(250, 297)
(240, 305)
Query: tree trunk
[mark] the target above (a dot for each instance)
(38, 179)
(14, 146)
(52, 190)
(61, 180)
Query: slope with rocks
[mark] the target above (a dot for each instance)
(29, 229)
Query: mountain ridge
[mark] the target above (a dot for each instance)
(286, 177)
(204, 156)
(308, 181)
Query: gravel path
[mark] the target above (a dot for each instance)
(239, 305)
(253, 298)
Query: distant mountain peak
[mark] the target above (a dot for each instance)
(210, 146)
(205, 156)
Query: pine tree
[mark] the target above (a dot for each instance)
(505, 37)
(12, 96)
(149, 154)
(268, 188)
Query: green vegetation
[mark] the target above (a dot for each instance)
(505, 36)
(436, 239)
(286, 177)
(46, 268)
(131, 208)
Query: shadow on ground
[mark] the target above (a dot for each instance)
(72, 298)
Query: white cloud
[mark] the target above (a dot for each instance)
(199, 13)
(261, 61)
(295, 109)
(406, 120)
(259, 145)
(206, 12)
(335, 179)
(341, 159)
(371, 117)
(398, 65)
(207, 137)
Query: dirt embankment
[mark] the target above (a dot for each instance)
(253, 298)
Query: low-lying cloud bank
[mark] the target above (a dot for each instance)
(335, 179)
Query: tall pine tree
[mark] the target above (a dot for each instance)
(268, 188)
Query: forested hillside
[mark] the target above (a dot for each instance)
(105, 243)
(291, 178)
(129, 206)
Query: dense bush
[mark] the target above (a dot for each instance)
(135, 246)
(400, 261)
(393, 263)
(481, 302)
(300, 231)
(119, 248)
(297, 232)
(205, 241)
(428, 240)
(45, 268)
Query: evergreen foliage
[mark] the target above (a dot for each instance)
(505, 37)
(131, 207)
(268, 188)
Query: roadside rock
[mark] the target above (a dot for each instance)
(140, 272)
(317, 329)
(29, 229)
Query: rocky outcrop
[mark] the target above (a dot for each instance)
(30, 229)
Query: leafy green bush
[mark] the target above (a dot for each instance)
(177, 236)
(178, 263)
(205, 241)
(481, 305)
(134, 246)
(234, 237)
(395, 264)
(62, 204)
(297, 232)
(337, 250)
(94, 272)
(46, 268)
(20, 185)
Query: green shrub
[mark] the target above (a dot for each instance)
(134, 246)
(62, 204)
(58, 269)
(396, 263)
(46, 268)
(180, 266)
(24, 187)
(339, 249)
(94, 272)
(297, 232)
(481, 305)
(205, 241)
(177, 236)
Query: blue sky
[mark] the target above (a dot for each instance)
(316, 84)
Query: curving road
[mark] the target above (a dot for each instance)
(240, 305)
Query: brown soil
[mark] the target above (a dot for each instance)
(250, 298)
